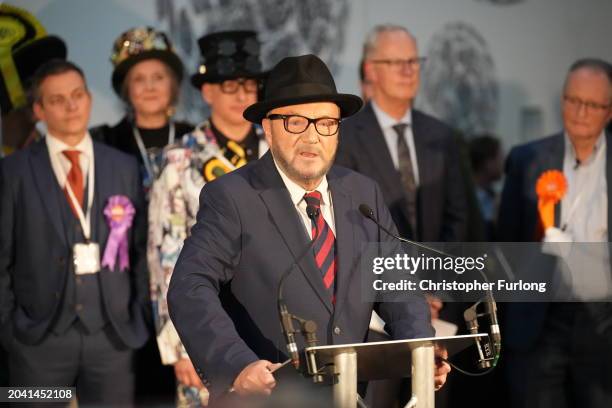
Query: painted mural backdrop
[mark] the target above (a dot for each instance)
(285, 27)
(459, 82)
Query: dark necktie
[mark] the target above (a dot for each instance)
(325, 244)
(74, 178)
(407, 174)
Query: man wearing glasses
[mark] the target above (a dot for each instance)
(255, 223)
(411, 155)
(228, 79)
(556, 353)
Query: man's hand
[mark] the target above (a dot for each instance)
(442, 368)
(256, 378)
(435, 305)
(186, 374)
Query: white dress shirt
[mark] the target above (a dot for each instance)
(56, 147)
(297, 198)
(584, 209)
(386, 123)
(584, 218)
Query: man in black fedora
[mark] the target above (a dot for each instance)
(253, 225)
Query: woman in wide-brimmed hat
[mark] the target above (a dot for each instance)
(147, 75)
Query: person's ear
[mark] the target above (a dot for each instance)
(369, 72)
(266, 124)
(39, 111)
(206, 91)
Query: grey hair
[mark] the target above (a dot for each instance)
(371, 41)
(594, 64)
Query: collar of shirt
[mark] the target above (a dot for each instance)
(250, 140)
(570, 151)
(297, 192)
(387, 122)
(297, 198)
(56, 147)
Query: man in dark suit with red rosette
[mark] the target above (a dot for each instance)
(557, 354)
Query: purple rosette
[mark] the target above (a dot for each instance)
(119, 214)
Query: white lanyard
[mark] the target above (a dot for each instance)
(84, 219)
(143, 150)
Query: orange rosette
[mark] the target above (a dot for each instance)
(550, 188)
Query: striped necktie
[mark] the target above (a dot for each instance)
(325, 244)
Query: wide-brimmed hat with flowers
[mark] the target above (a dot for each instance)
(139, 44)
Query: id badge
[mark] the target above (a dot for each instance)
(86, 257)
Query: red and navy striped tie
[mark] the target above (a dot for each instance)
(325, 244)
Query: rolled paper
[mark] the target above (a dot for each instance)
(550, 189)
(119, 214)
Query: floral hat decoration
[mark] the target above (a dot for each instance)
(139, 44)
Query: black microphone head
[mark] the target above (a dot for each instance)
(312, 211)
(366, 211)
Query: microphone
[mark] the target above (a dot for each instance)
(286, 318)
(367, 212)
(577, 164)
(470, 315)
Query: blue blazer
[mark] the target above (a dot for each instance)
(35, 258)
(222, 296)
(518, 222)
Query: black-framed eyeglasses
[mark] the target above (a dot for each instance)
(230, 86)
(325, 126)
(399, 64)
(589, 105)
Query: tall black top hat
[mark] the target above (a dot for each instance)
(297, 80)
(139, 44)
(24, 46)
(228, 55)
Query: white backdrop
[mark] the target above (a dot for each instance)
(493, 65)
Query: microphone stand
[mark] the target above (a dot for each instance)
(308, 328)
(489, 352)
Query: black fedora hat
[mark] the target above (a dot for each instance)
(139, 44)
(228, 55)
(296, 80)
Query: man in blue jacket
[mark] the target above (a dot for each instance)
(73, 282)
(253, 225)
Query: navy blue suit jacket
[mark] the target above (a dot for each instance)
(35, 258)
(518, 221)
(222, 295)
(442, 202)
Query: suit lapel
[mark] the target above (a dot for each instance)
(428, 159)
(555, 162)
(372, 137)
(103, 174)
(287, 221)
(609, 180)
(345, 237)
(46, 183)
